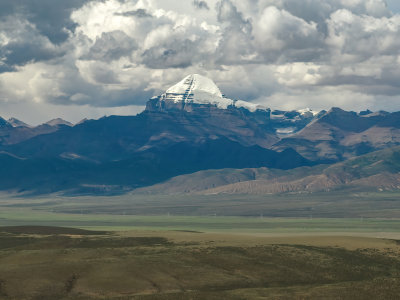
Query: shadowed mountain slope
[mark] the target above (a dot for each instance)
(116, 138)
(374, 171)
(77, 173)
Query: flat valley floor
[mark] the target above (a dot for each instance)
(92, 248)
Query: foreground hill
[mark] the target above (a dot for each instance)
(374, 171)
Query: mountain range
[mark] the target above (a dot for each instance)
(191, 128)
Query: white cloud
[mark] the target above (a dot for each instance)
(363, 36)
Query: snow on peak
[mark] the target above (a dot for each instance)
(197, 89)
(308, 112)
(195, 83)
(249, 106)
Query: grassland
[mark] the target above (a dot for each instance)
(281, 247)
(58, 264)
(363, 213)
(250, 225)
(298, 205)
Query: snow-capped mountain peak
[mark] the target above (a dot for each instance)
(194, 83)
(198, 90)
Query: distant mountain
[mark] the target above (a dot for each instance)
(17, 123)
(192, 111)
(195, 91)
(4, 123)
(287, 123)
(15, 131)
(338, 135)
(191, 127)
(371, 172)
(58, 121)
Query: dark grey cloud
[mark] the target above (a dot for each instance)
(22, 52)
(36, 29)
(236, 42)
(51, 17)
(228, 13)
(201, 4)
(175, 53)
(24, 44)
(139, 13)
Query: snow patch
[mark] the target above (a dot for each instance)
(249, 106)
(286, 130)
(308, 112)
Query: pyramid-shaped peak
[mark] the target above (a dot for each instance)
(195, 83)
(197, 91)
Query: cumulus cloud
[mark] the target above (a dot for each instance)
(51, 18)
(284, 53)
(111, 46)
(282, 36)
(235, 45)
(363, 36)
(21, 43)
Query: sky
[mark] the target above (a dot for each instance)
(89, 58)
